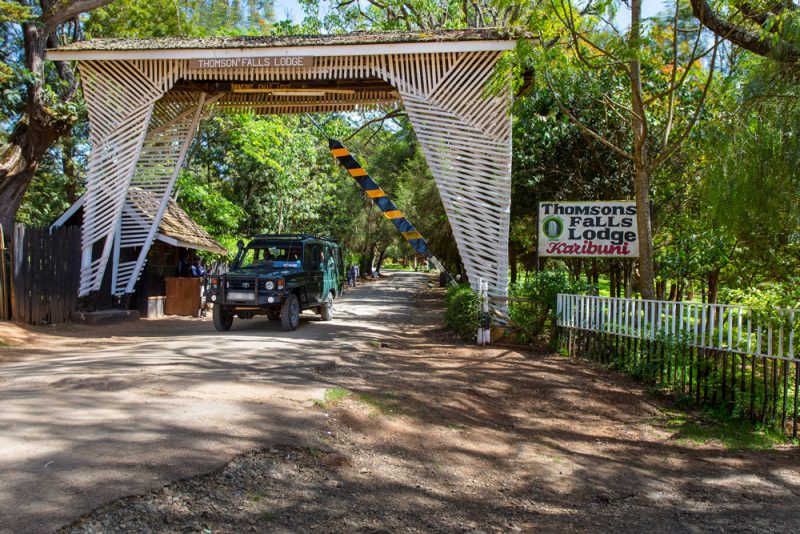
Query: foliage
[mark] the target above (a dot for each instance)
(46, 199)
(714, 426)
(768, 301)
(184, 18)
(723, 145)
(541, 292)
(461, 315)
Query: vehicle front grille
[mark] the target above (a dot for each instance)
(241, 284)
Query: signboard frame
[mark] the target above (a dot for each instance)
(613, 229)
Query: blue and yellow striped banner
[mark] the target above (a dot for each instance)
(378, 195)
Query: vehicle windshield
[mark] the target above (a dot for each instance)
(273, 255)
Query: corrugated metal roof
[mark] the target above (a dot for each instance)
(354, 38)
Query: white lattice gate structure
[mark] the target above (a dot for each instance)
(145, 99)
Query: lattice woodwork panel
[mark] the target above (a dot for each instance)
(466, 138)
(120, 98)
(160, 159)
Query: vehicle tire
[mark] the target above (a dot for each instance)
(290, 313)
(326, 310)
(274, 315)
(223, 319)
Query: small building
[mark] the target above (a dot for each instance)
(178, 237)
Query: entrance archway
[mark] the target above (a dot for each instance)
(145, 99)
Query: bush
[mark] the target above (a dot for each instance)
(541, 289)
(461, 315)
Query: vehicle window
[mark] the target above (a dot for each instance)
(328, 258)
(278, 255)
(313, 257)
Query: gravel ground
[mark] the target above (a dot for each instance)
(436, 436)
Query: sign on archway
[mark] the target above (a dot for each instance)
(145, 99)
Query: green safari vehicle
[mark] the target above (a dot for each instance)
(278, 275)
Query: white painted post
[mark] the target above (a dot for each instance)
(480, 309)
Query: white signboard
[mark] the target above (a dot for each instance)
(251, 62)
(588, 229)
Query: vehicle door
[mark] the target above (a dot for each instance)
(329, 272)
(314, 256)
(339, 278)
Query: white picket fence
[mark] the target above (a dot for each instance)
(712, 353)
(719, 327)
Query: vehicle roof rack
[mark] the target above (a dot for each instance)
(293, 236)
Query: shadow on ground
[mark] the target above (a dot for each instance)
(442, 437)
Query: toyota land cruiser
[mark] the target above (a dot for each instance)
(278, 276)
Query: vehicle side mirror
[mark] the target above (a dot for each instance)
(240, 244)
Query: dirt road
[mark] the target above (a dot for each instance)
(89, 414)
(434, 436)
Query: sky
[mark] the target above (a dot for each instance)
(649, 8)
(290, 8)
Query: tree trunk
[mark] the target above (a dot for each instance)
(20, 159)
(512, 261)
(381, 256)
(33, 135)
(576, 265)
(366, 260)
(627, 275)
(673, 290)
(612, 279)
(713, 286)
(640, 159)
(68, 164)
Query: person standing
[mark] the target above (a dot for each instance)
(198, 271)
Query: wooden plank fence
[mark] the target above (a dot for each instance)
(46, 274)
(712, 354)
(5, 278)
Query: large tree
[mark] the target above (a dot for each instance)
(48, 112)
(765, 27)
(665, 69)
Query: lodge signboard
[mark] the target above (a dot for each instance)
(588, 229)
(250, 62)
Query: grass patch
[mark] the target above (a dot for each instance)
(255, 497)
(267, 516)
(334, 395)
(385, 404)
(709, 427)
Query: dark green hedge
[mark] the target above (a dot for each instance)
(461, 315)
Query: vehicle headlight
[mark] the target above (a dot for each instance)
(270, 285)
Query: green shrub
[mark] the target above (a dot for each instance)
(461, 315)
(541, 289)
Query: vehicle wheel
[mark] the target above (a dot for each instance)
(290, 313)
(223, 319)
(326, 310)
(274, 315)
